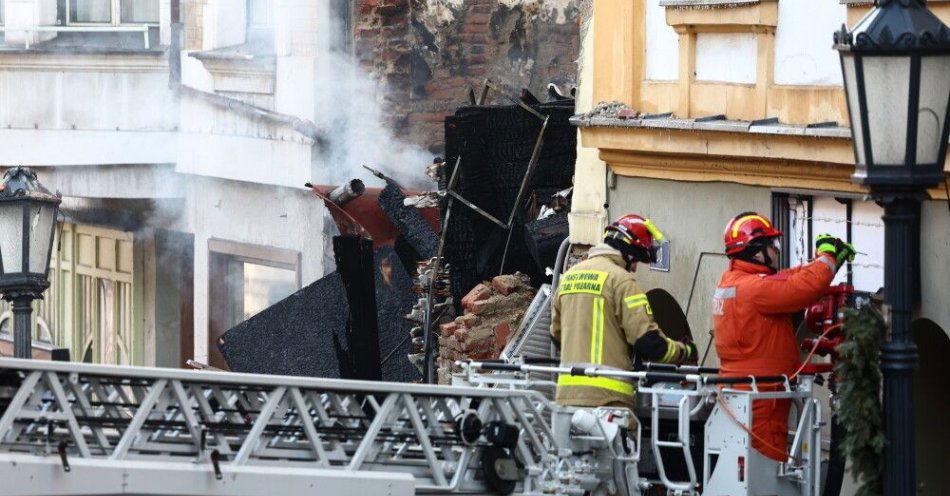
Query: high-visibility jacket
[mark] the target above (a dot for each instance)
(598, 313)
(752, 315)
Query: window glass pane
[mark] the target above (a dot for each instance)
(11, 238)
(138, 11)
(264, 286)
(42, 218)
(887, 86)
(933, 106)
(850, 79)
(98, 11)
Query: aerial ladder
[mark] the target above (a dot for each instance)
(79, 429)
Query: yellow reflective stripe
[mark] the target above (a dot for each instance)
(738, 223)
(670, 351)
(638, 300)
(636, 297)
(582, 281)
(597, 382)
(597, 332)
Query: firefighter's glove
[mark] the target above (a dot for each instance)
(836, 247)
(654, 347)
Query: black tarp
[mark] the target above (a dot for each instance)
(306, 333)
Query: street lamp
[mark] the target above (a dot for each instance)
(896, 65)
(27, 220)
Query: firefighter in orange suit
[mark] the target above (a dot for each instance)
(600, 316)
(752, 313)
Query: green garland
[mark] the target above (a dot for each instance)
(859, 398)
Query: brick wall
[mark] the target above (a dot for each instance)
(426, 54)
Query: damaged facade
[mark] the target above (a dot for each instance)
(428, 54)
(181, 141)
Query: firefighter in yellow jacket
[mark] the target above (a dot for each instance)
(600, 316)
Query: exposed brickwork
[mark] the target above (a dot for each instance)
(427, 54)
(490, 318)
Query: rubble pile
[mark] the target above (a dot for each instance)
(493, 311)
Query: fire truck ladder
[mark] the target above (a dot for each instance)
(69, 428)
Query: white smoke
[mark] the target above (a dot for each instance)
(348, 109)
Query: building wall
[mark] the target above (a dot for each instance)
(254, 214)
(692, 216)
(803, 41)
(427, 54)
(934, 269)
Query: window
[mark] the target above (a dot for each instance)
(802, 217)
(2, 3)
(243, 280)
(113, 12)
(260, 25)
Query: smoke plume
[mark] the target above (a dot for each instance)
(348, 109)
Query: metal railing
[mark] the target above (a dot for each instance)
(238, 433)
(29, 30)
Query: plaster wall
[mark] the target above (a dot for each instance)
(86, 94)
(692, 216)
(154, 181)
(662, 45)
(289, 218)
(803, 53)
(92, 111)
(726, 57)
(225, 23)
(218, 143)
(588, 216)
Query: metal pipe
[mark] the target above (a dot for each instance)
(347, 192)
(22, 328)
(899, 353)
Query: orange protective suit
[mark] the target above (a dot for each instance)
(754, 333)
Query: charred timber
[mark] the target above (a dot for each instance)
(356, 265)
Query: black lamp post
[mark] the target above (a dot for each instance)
(27, 221)
(896, 64)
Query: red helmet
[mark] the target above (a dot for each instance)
(746, 228)
(635, 237)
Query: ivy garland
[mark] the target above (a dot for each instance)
(859, 397)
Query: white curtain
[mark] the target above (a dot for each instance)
(91, 11)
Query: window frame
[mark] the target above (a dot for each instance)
(115, 14)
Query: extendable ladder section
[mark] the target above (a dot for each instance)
(70, 428)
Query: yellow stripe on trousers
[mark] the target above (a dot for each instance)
(597, 382)
(597, 332)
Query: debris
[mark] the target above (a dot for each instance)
(408, 221)
(606, 109)
(495, 144)
(493, 309)
(425, 200)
